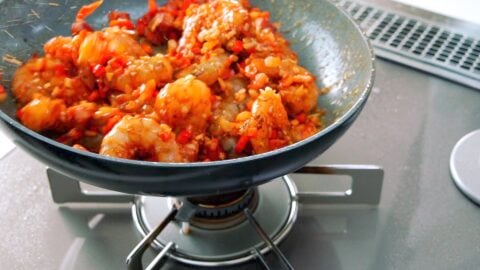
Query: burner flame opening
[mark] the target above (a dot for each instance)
(221, 211)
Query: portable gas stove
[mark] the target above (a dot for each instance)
(225, 229)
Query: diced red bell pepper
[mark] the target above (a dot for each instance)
(184, 136)
(237, 46)
(241, 144)
(59, 70)
(165, 136)
(3, 93)
(276, 143)
(196, 49)
(302, 118)
(118, 63)
(93, 96)
(20, 114)
(214, 151)
(111, 123)
(98, 71)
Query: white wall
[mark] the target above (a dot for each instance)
(468, 10)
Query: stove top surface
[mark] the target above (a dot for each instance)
(409, 127)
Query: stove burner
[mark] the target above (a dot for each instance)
(218, 206)
(220, 211)
(220, 234)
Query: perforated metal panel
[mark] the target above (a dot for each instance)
(419, 43)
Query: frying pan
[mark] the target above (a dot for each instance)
(326, 39)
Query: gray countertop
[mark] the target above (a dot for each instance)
(409, 127)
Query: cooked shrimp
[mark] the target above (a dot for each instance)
(223, 118)
(81, 114)
(61, 48)
(140, 100)
(120, 19)
(112, 42)
(80, 24)
(300, 131)
(300, 98)
(297, 88)
(47, 76)
(31, 78)
(136, 137)
(210, 26)
(106, 117)
(140, 71)
(295, 84)
(42, 113)
(185, 103)
(208, 70)
(65, 48)
(269, 123)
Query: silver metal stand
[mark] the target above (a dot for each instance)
(68, 190)
(366, 188)
(268, 241)
(134, 259)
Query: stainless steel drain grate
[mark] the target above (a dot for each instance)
(419, 43)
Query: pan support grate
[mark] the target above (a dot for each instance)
(419, 43)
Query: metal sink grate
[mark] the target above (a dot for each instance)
(419, 43)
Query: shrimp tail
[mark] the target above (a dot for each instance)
(85, 11)
(152, 6)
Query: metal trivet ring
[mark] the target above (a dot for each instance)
(276, 211)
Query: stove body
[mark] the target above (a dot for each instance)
(409, 127)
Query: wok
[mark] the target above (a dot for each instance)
(326, 39)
